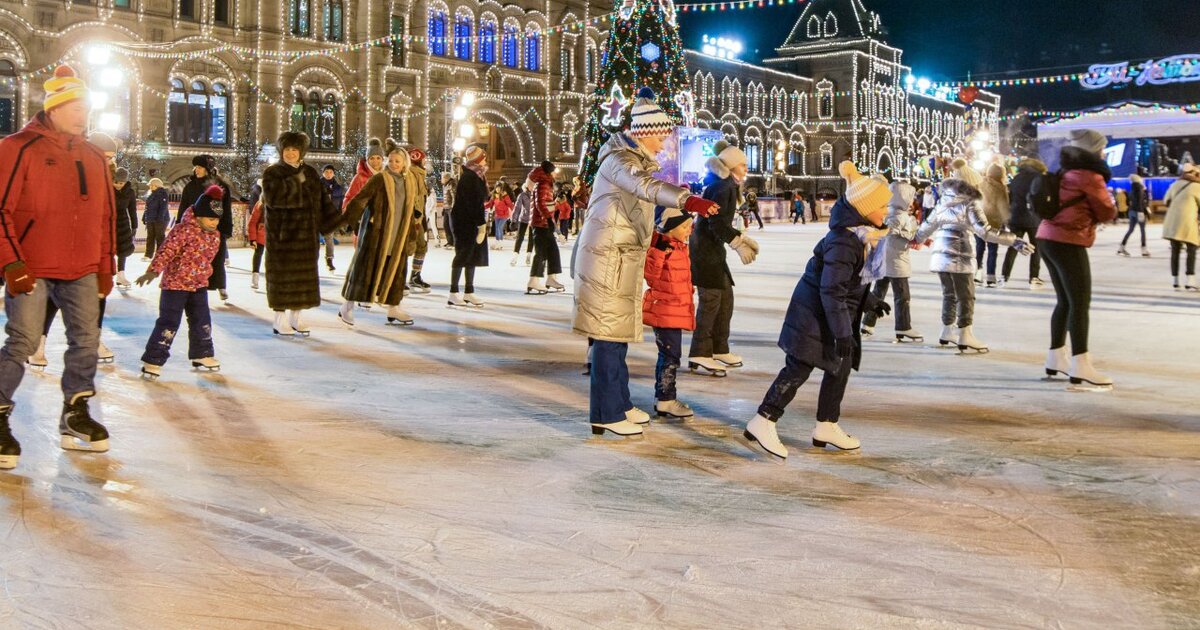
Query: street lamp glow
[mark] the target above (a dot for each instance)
(987, 155)
(110, 77)
(460, 113)
(108, 122)
(977, 144)
(98, 55)
(984, 136)
(98, 99)
(924, 84)
(466, 130)
(468, 98)
(979, 165)
(459, 144)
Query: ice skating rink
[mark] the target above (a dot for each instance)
(443, 475)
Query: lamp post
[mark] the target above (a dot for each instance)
(454, 119)
(98, 57)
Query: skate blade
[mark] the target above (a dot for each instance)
(703, 371)
(8, 462)
(37, 367)
(72, 443)
(535, 292)
(731, 365)
(302, 333)
(1087, 388)
(599, 431)
(202, 368)
(664, 414)
(969, 351)
(754, 445)
(105, 361)
(908, 340)
(399, 324)
(819, 444)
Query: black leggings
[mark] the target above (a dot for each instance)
(1071, 273)
(256, 261)
(521, 231)
(1176, 248)
(457, 273)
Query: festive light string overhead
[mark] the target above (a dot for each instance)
(1181, 68)
(734, 6)
(1146, 110)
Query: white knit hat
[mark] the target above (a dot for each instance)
(959, 169)
(648, 118)
(732, 156)
(1089, 140)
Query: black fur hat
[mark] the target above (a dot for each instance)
(293, 140)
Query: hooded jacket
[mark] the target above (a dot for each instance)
(523, 210)
(1085, 199)
(185, 258)
(57, 209)
(995, 202)
(610, 253)
(1021, 214)
(668, 302)
(902, 227)
(709, 267)
(830, 298)
(1183, 204)
(256, 226)
(157, 208)
(361, 175)
(542, 202)
(952, 223)
(126, 218)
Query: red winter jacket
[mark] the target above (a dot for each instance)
(543, 203)
(668, 301)
(185, 258)
(360, 179)
(57, 210)
(501, 207)
(256, 227)
(564, 210)
(1085, 197)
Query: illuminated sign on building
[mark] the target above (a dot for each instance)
(1177, 69)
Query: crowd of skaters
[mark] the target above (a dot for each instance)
(642, 246)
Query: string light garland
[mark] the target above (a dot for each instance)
(695, 7)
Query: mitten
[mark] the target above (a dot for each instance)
(698, 205)
(17, 279)
(743, 249)
(481, 236)
(104, 284)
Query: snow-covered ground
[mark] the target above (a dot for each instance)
(444, 475)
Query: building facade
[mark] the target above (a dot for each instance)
(184, 77)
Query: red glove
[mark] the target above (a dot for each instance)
(17, 279)
(696, 204)
(104, 284)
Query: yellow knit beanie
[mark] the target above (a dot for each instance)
(63, 88)
(866, 194)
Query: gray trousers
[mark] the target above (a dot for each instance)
(713, 314)
(903, 300)
(26, 318)
(958, 299)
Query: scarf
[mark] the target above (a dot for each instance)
(478, 169)
(873, 256)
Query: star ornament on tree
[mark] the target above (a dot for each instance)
(615, 106)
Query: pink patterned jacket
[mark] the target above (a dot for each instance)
(184, 261)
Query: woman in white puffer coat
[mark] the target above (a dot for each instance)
(610, 258)
(956, 219)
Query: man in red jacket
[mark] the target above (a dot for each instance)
(546, 258)
(56, 242)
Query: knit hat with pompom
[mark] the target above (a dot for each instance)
(64, 87)
(867, 194)
(648, 118)
(959, 169)
(374, 147)
(204, 206)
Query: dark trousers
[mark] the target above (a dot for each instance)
(1035, 259)
(217, 279)
(256, 260)
(991, 249)
(545, 253)
(958, 299)
(172, 305)
(564, 226)
(670, 351)
(456, 273)
(521, 230)
(788, 382)
(1134, 224)
(902, 309)
(156, 231)
(1176, 248)
(1071, 273)
(609, 383)
(756, 216)
(713, 314)
(447, 229)
(798, 215)
(121, 262)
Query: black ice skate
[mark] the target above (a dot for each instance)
(10, 448)
(79, 431)
(419, 285)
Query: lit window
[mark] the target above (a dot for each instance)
(462, 36)
(533, 50)
(437, 33)
(487, 42)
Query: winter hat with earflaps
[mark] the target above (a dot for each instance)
(671, 218)
(959, 169)
(866, 194)
(64, 87)
(648, 118)
(204, 207)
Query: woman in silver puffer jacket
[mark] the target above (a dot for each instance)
(957, 218)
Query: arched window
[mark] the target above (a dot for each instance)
(462, 36)
(533, 49)
(437, 33)
(220, 11)
(509, 45)
(589, 66)
(197, 115)
(826, 157)
(301, 18)
(752, 153)
(333, 14)
(328, 123)
(8, 98)
(487, 42)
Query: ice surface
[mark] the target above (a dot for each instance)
(443, 475)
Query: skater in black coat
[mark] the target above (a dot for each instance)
(468, 220)
(821, 328)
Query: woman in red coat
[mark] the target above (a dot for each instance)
(668, 305)
(501, 206)
(256, 235)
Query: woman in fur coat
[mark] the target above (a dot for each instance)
(299, 209)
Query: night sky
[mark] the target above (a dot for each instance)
(946, 41)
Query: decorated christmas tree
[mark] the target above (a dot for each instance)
(643, 51)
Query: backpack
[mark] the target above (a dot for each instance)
(1043, 195)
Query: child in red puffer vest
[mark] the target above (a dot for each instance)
(668, 306)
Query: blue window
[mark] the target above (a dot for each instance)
(533, 50)
(509, 47)
(462, 37)
(487, 42)
(437, 33)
